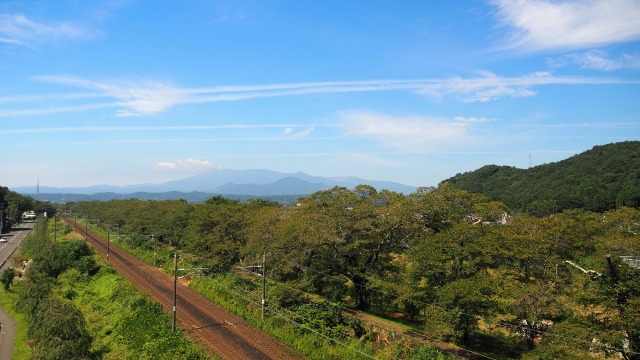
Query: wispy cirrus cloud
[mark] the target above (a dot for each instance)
(473, 120)
(373, 159)
(538, 25)
(184, 165)
(597, 60)
(407, 133)
(292, 133)
(133, 99)
(18, 29)
(488, 86)
(151, 97)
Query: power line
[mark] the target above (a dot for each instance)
(301, 325)
(348, 314)
(504, 324)
(540, 332)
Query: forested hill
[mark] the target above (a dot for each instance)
(603, 178)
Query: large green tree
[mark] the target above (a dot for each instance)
(348, 237)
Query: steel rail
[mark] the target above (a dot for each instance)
(226, 334)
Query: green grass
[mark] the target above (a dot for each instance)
(310, 343)
(20, 348)
(122, 322)
(116, 314)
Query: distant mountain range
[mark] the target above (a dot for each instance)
(230, 183)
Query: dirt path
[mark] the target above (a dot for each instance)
(440, 345)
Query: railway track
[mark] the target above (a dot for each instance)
(227, 335)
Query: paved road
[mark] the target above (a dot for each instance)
(14, 238)
(7, 334)
(7, 324)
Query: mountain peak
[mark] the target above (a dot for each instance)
(251, 182)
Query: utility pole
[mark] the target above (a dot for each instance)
(155, 250)
(175, 285)
(155, 247)
(86, 227)
(264, 279)
(109, 237)
(55, 227)
(2, 217)
(264, 282)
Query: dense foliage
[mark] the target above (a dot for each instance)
(448, 261)
(56, 326)
(604, 178)
(77, 309)
(12, 205)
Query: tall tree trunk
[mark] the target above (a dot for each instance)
(360, 287)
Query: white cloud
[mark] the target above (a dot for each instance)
(290, 132)
(545, 24)
(184, 165)
(598, 60)
(151, 97)
(473, 120)
(408, 133)
(372, 159)
(489, 86)
(134, 99)
(18, 29)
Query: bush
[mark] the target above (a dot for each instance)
(59, 331)
(6, 277)
(328, 318)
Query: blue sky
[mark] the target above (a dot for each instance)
(125, 92)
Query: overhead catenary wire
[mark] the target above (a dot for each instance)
(504, 324)
(508, 325)
(540, 332)
(292, 312)
(349, 310)
(302, 325)
(514, 326)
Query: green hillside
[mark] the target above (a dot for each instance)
(600, 179)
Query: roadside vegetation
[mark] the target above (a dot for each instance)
(444, 262)
(13, 205)
(544, 265)
(69, 306)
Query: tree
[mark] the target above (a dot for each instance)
(621, 285)
(216, 231)
(562, 341)
(600, 179)
(534, 307)
(451, 269)
(6, 277)
(347, 236)
(59, 330)
(465, 301)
